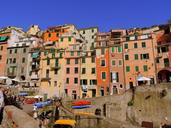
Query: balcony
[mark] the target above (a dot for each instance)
(34, 77)
(11, 74)
(90, 87)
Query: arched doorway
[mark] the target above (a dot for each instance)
(164, 75)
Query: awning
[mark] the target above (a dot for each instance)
(142, 78)
(3, 38)
(3, 77)
(35, 54)
(165, 69)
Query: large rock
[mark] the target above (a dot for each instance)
(15, 117)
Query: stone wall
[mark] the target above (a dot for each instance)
(147, 106)
(16, 118)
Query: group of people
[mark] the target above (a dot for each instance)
(7, 97)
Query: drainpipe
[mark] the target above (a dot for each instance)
(155, 66)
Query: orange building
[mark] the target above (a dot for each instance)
(53, 34)
(102, 64)
(3, 52)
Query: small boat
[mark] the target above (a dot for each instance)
(81, 107)
(42, 104)
(81, 103)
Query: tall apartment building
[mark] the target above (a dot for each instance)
(18, 59)
(117, 78)
(139, 58)
(89, 34)
(8, 36)
(102, 64)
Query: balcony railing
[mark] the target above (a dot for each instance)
(11, 74)
(34, 77)
(91, 87)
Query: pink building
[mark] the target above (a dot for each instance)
(72, 71)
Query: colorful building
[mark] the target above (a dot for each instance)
(139, 58)
(102, 64)
(117, 78)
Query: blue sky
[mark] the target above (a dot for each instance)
(105, 14)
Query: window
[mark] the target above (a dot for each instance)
(93, 82)
(83, 31)
(136, 68)
(72, 53)
(145, 56)
(127, 68)
(67, 70)
(166, 62)
(126, 46)
(113, 63)
(24, 50)
(78, 53)
(68, 61)
(83, 82)
(83, 60)
(62, 39)
(136, 56)
(69, 39)
(57, 34)
(113, 49)
(120, 62)
(7, 59)
(145, 67)
(10, 51)
(1, 48)
(92, 59)
(103, 63)
(14, 60)
(48, 61)
(0, 57)
(75, 80)
(76, 70)
(49, 34)
(55, 83)
(15, 51)
(164, 49)
(60, 55)
(92, 37)
(103, 75)
(92, 30)
(102, 51)
(67, 80)
(126, 57)
(135, 45)
(56, 63)
(83, 70)
(23, 60)
(76, 61)
(93, 71)
(143, 44)
(56, 71)
(47, 73)
(119, 49)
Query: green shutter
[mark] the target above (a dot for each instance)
(62, 39)
(69, 39)
(145, 68)
(119, 49)
(136, 68)
(127, 68)
(113, 49)
(136, 56)
(103, 75)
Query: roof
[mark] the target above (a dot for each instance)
(66, 122)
